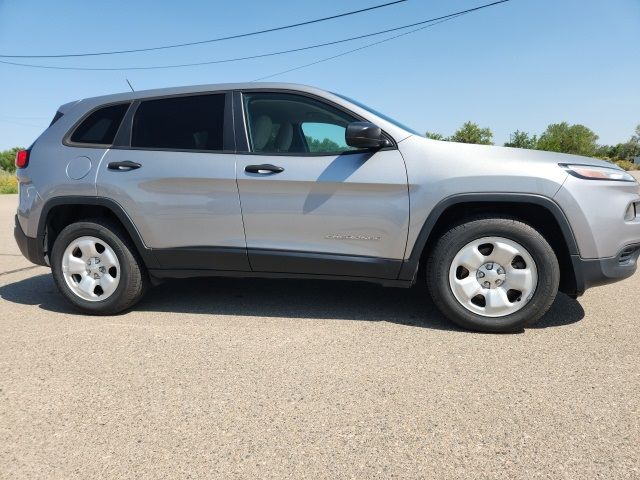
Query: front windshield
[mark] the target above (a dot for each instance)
(378, 114)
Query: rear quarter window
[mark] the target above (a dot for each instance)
(100, 127)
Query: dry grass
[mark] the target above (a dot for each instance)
(8, 182)
(626, 165)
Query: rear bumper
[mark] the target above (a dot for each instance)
(29, 247)
(602, 271)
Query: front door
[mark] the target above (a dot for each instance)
(311, 204)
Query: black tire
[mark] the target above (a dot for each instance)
(133, 276)
(451, 242)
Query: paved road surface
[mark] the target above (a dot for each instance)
(288, 379)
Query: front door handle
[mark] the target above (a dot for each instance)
(123, 166)
(264, 169)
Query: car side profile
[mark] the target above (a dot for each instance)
(281, 180)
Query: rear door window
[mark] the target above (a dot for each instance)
(193, 122)
(100, 127)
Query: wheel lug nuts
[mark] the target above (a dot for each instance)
(481, 274)
(498, 282)
(489, 266)
(500, 271)
(102, 269)
(486, 285)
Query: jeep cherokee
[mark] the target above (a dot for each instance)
(280, 180)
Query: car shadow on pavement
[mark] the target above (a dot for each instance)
(307, 299)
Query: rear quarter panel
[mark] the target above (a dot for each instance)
(55, 170)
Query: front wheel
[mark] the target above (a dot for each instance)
(493, 274)
(96, 267)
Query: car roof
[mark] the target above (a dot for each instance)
(214, 87)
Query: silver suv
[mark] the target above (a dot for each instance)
(278, 180)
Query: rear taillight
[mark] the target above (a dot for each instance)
(22, 158)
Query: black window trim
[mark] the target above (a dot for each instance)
(235, 134)
(123, 137)
(56, 117)
(242, 134)
(66, 140)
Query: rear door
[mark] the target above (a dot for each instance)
(174, 174)
(310, 203)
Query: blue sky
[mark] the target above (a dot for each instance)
(520, 65)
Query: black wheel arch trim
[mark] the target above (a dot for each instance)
(411, 264)
(69, 200)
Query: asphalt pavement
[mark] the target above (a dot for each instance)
(232, 378)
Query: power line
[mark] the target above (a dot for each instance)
(326, 59)
(14, 117)
(263, 55)
(219, 39)
(22, 124)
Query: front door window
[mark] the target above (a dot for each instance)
(295, 124)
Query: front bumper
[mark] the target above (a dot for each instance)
(30, 247)
(602, 271)
(596, 212)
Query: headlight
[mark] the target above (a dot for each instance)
(598, 173)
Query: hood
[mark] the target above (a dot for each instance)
(509, 154)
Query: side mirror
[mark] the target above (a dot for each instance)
(365, 135)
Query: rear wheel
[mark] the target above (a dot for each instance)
(493, 274)
(96, 268)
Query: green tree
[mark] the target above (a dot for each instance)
(565, 138)
(321, 146)
(471, 133)
(435, 136)
(8, 159)
(607, 152)
(622, 151)
(522, 140)
(630, 149)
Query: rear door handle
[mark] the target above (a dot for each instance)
(264, 169)
(124, 166)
